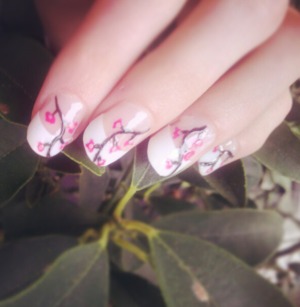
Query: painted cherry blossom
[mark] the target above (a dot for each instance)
(57, 117)
(40, 146)
(114, 148)
(191, 140)
(114, 141)
(215, 159)
(169, 164)
(90, 145)
(188, 155)
(198, 143)
(50, 117)
(101, 162)
(216, 149)
(128, 143)
(176, 133)
(72, 127)
(117, 123)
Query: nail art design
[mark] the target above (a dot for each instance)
(54, 126)
(216, 158)
(177, 146)
(114, 133)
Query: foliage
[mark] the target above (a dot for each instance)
(69, 241)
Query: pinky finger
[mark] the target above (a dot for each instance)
(249, 140)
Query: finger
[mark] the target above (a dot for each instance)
(60, 19)
(250, 139)
(112, 36)
(234, 102)
(173, 76)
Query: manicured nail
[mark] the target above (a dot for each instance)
(178, 145)
(216, 158)
(112, 134)
(54, 125)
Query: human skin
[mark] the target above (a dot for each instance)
(210, 90)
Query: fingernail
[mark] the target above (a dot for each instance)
(216, 158)
(112, 134)
(55, 124)
(178, 145)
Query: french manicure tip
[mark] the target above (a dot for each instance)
(113, 133)
(177, 146)
(54, 126)
(216, 158)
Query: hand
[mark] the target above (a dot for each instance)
(211, 91)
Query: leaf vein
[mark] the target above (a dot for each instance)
(79, 278)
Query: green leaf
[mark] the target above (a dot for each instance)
(281, 153)
(294, 114)
(195, 273)
(251, 235)
(23, 67)
(14, 152)
(75, 152)
(129, 290)
(52, 214)
(192, 176)
(230, 182)
(63, 165)
(144, 175)
(92, 189)
(254, 173)
(165, 205)
(79, 277)
(15, 275)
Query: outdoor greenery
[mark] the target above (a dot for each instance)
(73, 234)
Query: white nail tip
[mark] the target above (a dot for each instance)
(216, 158)
(38, 137)
(98, 151)
(161, 145)
(112, 134)
(54, 125)
(178, 145)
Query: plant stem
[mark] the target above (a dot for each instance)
(123, 202)
(126, 178)
(145, 229)
(105, 235)
(148, 193)
(132, 248)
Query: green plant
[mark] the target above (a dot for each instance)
(77, 235)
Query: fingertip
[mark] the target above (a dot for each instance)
(178, 145)
(56, 124)
(115, 132)
(217, 157)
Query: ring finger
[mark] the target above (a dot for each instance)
(230, 105)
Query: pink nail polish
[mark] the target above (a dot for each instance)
(178, 145)
(112, 134)
(217, 157)
(55, 124)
